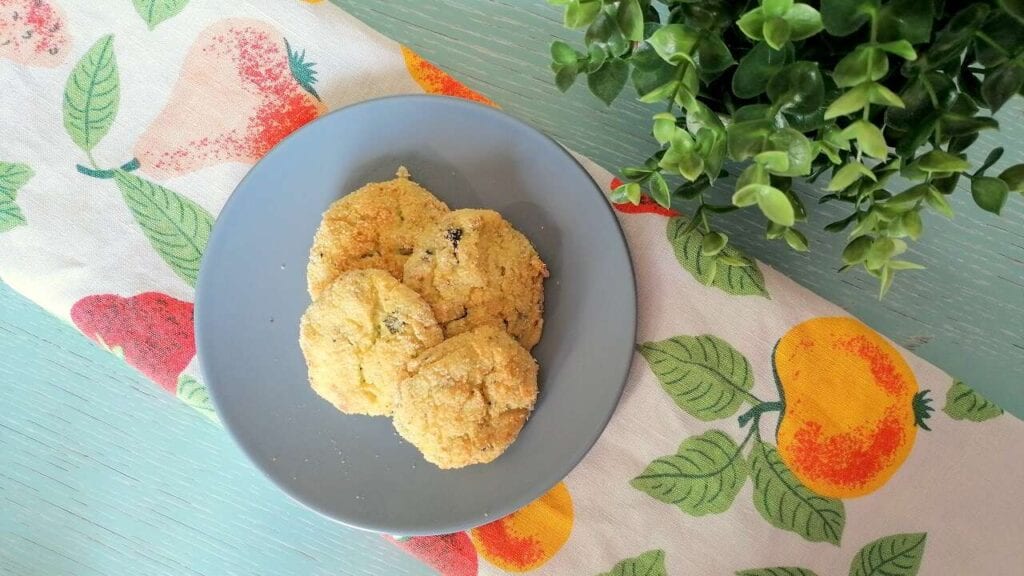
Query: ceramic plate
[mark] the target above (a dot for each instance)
(252, 292)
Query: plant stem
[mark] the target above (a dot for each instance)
(92, 161)
(759, 409)
(988, 40)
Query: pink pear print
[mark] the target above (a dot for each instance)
(242, 89)
(33, 33)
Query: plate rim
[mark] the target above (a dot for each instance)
(499, 511)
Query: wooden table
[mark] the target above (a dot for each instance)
(102, 473)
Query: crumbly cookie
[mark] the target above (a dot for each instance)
(358, 337)
(373, 227)
(467, 398)
(474, 268)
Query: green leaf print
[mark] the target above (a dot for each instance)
(896, 555)
(703, 374)
(650, 563)
(963, 403)
(729, 270)
(12, 177)
(193, 393)
(91, 95)
(780, 571)
(703, 477)
(786, 503)
(156, 11)
(177, 227)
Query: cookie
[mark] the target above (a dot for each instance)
(373, 227)
(467, 398)
(358, 337)
(475, 269)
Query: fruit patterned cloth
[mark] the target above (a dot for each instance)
(762, 431)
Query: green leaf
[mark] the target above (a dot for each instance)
(702, 477)
(797, 148)
(848, 174)
(853, 69)
(192, 392)
(776, 206)
(776, 32)
(12, 177)
(1014, 177)
(940, 161)
(882, 249)
(857, 250)
(664, 127)
(607, 81)
(177, 227)
(748, 195)
(879, 94)
(659, 190)
(990, 194)
(844, 17)
(713, 55)
(580, 13)
(869, 138)
(896, 555)
(674, 42)
(907, 19)
(156, 11)
(630, 18)
(851, 101)
(903, 265)
(650, 563)
(796, 240)
(776, 7)
(565, 76)
(713, 243)
(752, 23)
(757, 67)
(798, 87)
(735, 280)
(746, 139)
(999, 86)
(780, 571)
(963, 403)
(650, 72)
(912, 225)
(92, 94)
(1014, 8)
(787, 504)
(562, 53)
(604, 32)
(704, 375)
(804, 21)
(939, 203)
(900, 48)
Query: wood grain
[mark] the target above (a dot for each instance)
(101, 472)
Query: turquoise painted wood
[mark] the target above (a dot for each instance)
(102, 473)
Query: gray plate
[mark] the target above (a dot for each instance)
(252, 292)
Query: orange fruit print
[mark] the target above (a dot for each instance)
(433, 80)
(851, 406)
(529, 537)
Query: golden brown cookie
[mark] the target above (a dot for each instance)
(475, 269)
(467, 398)
(373, 227)
(358, 337)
